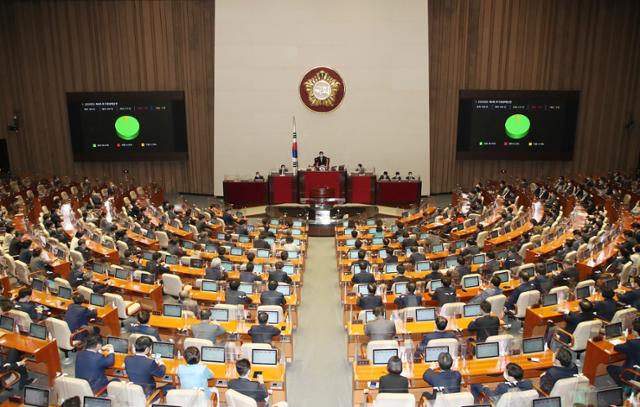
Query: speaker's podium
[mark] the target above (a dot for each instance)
(322, 190)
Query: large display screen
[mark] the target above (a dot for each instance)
(517, 125)
(127, 126)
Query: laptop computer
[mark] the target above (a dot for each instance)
(549, 300)
(219, 314)
(38, 331)
(120, 345)
(382, 356)
(264, 357)
(212, 354)
(533, 345)
(547, 402)
(172, 310)
(425, 314)
(432, 353)
(64, 292)
(610, 397)
(487, 350)
(96, 402)
(7, 323)
(471, 282)
(35, 397)
(97, 300)
(209, 286)
(164, 349)
(613, 330)
(471, 310)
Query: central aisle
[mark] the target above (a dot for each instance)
(320, 374)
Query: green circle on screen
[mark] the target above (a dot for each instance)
(517, 126)
(127, 127)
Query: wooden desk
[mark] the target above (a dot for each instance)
(45, 352)
(491, 244)
(111, 255)
(143, 241)
(464, 233)
(139, 290)
(599, 260)
(5, 285)
(600, 353)
(182, 234)
(398, 193)
(245, 193)
(537, 254)
(435, 225)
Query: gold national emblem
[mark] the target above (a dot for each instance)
(322, 89)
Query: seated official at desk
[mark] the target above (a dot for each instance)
(606, 308)
(370, 300)
(541, 281)
(247, 275)
(91, 363)
(263, 332)
(562, 368)
(631, 350)
(214, 271)
(440, 333)
(490, 291)
(384, 177)
(410, 298)
(193, 375)
(485, 325)
(207, 329)
(461, 269)
(272, 296)
(446, 380)
(631, 297)
(400, 278)
(363, 276)
(142, 326)
(235, 297)
(142, 369)
(445, 294)
(244, 385)
(380, 328)
(525, 285)
(410, 176)
(78, 316)
(574, 318)
(321, 160)
(513, 375)
(394, 382)
(25, 304)
(258, 177)
(435, 273)
(416, 256)
(278, 274)
(397, 176)
(490, 266)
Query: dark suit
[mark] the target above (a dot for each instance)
(631, 349)
(263, 333)
(255, 390)
(370, 301)
(485, 326)
(513, 298)
(29, 308)
(215, 273)
(462, 270)
(605, 309)
(144, 330)
(570, 273)
(141, 370)
(444, 295)
(555, 373)
(279, 276)
(391, 259)
(400, 279)
(449, 380)
(500, 389)
(261, 244)
(90, 366)
(416, 257)
(408, 300)
(272, 298)
(409, 242)
(631, 298)
(363, 278)
(206, 330)
(542, 284)
(434, 275)
(433, 335)
(248, 277)
(78, 316)
(235, 297)
(320, 161)
(394, 383)
(574, 318)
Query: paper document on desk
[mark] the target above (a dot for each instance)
(615, 342)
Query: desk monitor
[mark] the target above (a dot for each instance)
(297, 224)
(451, 261)
(196, 263)
(263, 253)
(437, 248)
(425, 314)
(531, 271)
(507, 229)
(459, 226)
(97, 300)
(146, 278)
(478, 259)
(372, 231)
(382, 356)
(400, 288)
(471, 282)
(273, 230)
(293, 254)
(352, 254)
(289, 269)
(350, 242)
(122, 274)
(471, 310)
(363, 289)
(97, 268)
(120, 345)
(221, 236)
(64, 292)
(38, 331)
(611, 283)
(487, 350)
(220, 314)
(171, 310)
(369, 315)
(609, 397)
(391, 268)
(347, 231)
(212, 354)
(257, 268)
(236, 251)
(434, 285)
(533, 345)
(551, 266)
(432, 353)
(502, 254)
(246, 288)
(371, 222)
(472, 405)
(285, 289)
(164, 349)
(136, 229)
(170, 260)
(227, 266)
(209, 286)
(494, 233)
(96, 402)
(244, 239)
(382, 253)
(377, 241)
(35, 397)
(37, 285)
(423, 266)
(273, 317)
(147, 256)
(547, 402)
(7, 323)
(296, 232)
(583, 292)
(264, 357)
(503, 276)
(613, 330)
(549, 300)
(458, 244)
(210, 248)
(186, 243)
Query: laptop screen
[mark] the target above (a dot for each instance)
(369, 316)
(97, 300)
(478, 259)
(164, 349)
(289, 269)
(147, 256)
(529, 270)
(451, 262)
(219, 314)
(171, 260)
(423, 266)
(36, 397)
(263, 253)
(97, 268)
(297, 223)
(38, 331)
(37, 285)
(6, 323)
(546, 402)
(363, 289)
(503, 276)
(487, 350)
(120, 345)
(196, 263)
(390, 268)
(435, 284)
(610, 397)
(293, 254)
(122, 274)
(470, 282)
(437, 248)
(209, 286)
(425, 314)
(226, 266)
(296, 232)
(243, 239)
(533, 345)
(400, 288)
(285, 289)
(264, 357)
(611, 283)
(96, 402)
(236, 251)
(171, 310)
(246, 288)
(382, 356)
(549, 299)
(352, 254)
(273, 317)
(472, 310)
(146, 278)
(613, 330)
(551, 266)
(212, 354)
(583, 292)
(459, 244)
(431, 353)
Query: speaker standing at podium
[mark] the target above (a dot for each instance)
(321, 161)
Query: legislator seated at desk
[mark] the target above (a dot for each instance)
(394, 382)
(321, 161)
(631, 350)
(513, 375)
(446, 380)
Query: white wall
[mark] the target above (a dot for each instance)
(264, 48)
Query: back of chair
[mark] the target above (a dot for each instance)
(517, 398)
(452, 343)
(61, 282)
(172, 285)
(626, 316)
(562, 291)
(381, 344)
(11, 264)
(234, 310)
(236, 399)
(246, 350)
(187, 398)
(504, 341)
(451, 309)
(196, 343)
(22, 319)
(126, 394)
(525, 300)
(85, 292)
(523, 249)
(394, 400)
(568, 388)
(22, 272)
(60, 331)
(482, 236)
(453, 399)
(625, 273)
(76, 258)
(163, 239)
(66, 387)
(497, 304)
(585, 331)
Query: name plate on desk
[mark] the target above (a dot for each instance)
(363, 362)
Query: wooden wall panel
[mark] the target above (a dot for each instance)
(53, 47)
(588, 45)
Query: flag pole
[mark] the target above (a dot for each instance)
(294, 149)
